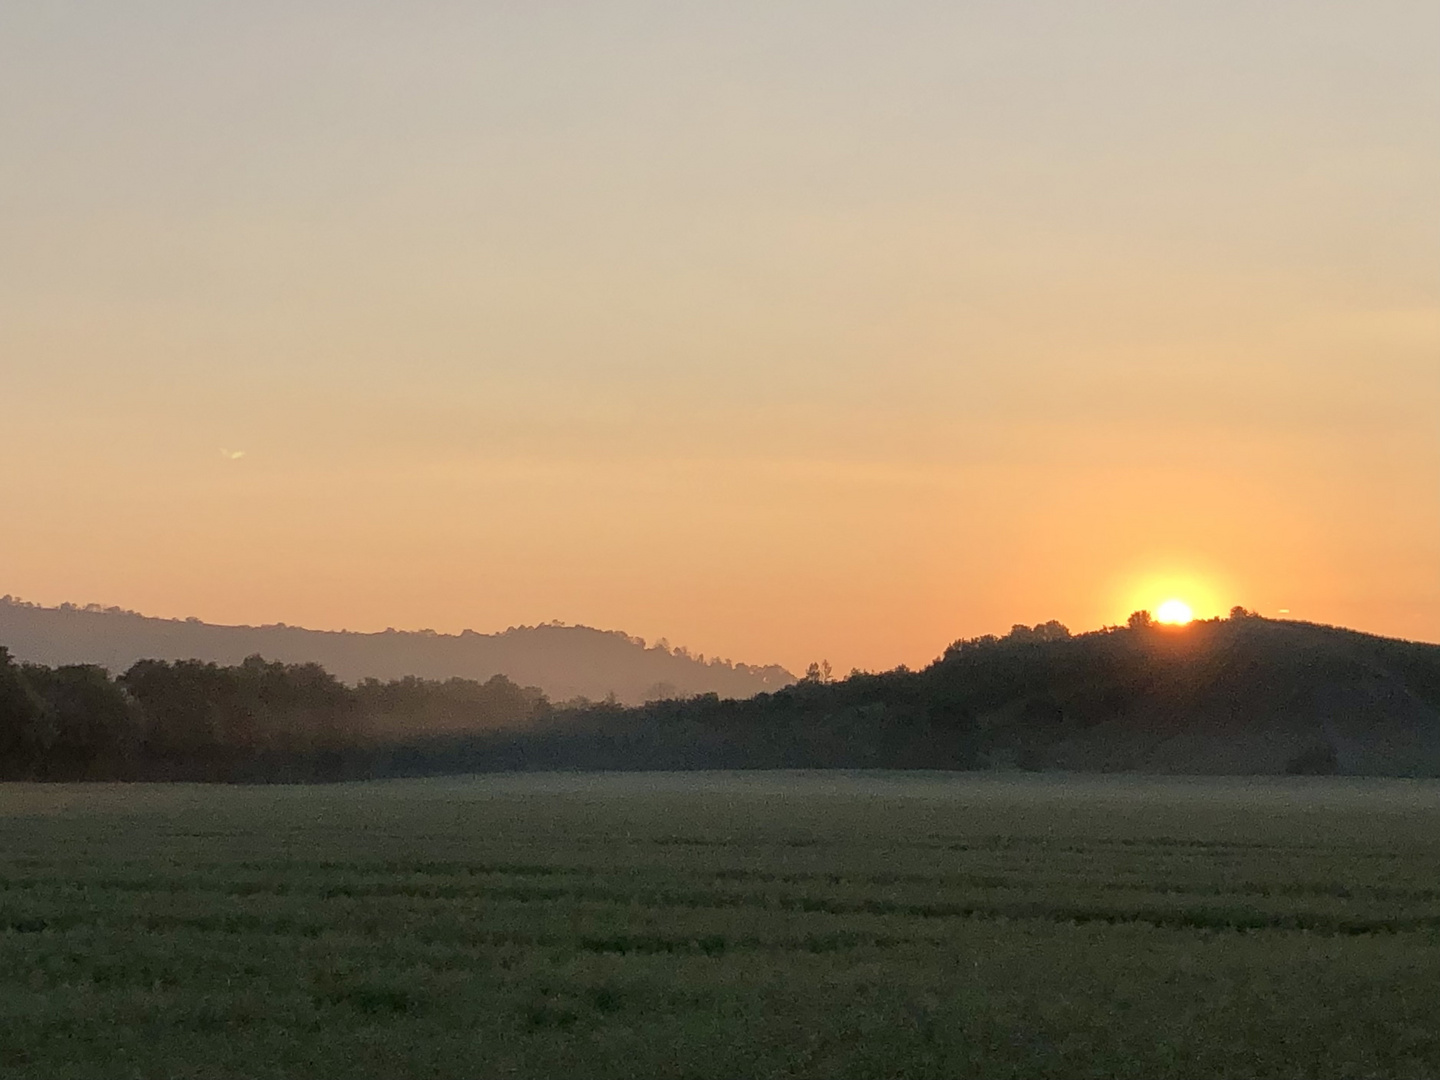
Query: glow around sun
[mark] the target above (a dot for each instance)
(1174, 612)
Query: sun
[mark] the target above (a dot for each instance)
(1174, 613)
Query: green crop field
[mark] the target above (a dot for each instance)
(772, 924)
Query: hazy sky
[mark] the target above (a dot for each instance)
(783, 330)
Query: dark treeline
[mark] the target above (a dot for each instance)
(1236, 695)
(252, 721)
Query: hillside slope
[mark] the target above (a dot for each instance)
(1240, 695)
(564, 661)
(1244, 695)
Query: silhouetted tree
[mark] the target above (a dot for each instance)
(95, 728)
(26, 733)
(1046, 631)
(818, 672)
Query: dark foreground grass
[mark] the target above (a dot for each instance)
(721, 925)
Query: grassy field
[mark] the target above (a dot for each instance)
(771, 924)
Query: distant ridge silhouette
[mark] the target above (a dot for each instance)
(1243, 695)
(565, 661)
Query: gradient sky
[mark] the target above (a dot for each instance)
(782, 330)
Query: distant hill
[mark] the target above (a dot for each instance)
(1239, 695)
(1242, 695)
(564, 661)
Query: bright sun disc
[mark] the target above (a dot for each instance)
(1174, 612)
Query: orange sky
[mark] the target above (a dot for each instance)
(783, 331)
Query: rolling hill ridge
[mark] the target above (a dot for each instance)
(564, 661)
(1243, 695)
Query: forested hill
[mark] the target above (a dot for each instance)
(564, 661)
(1238, 695)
